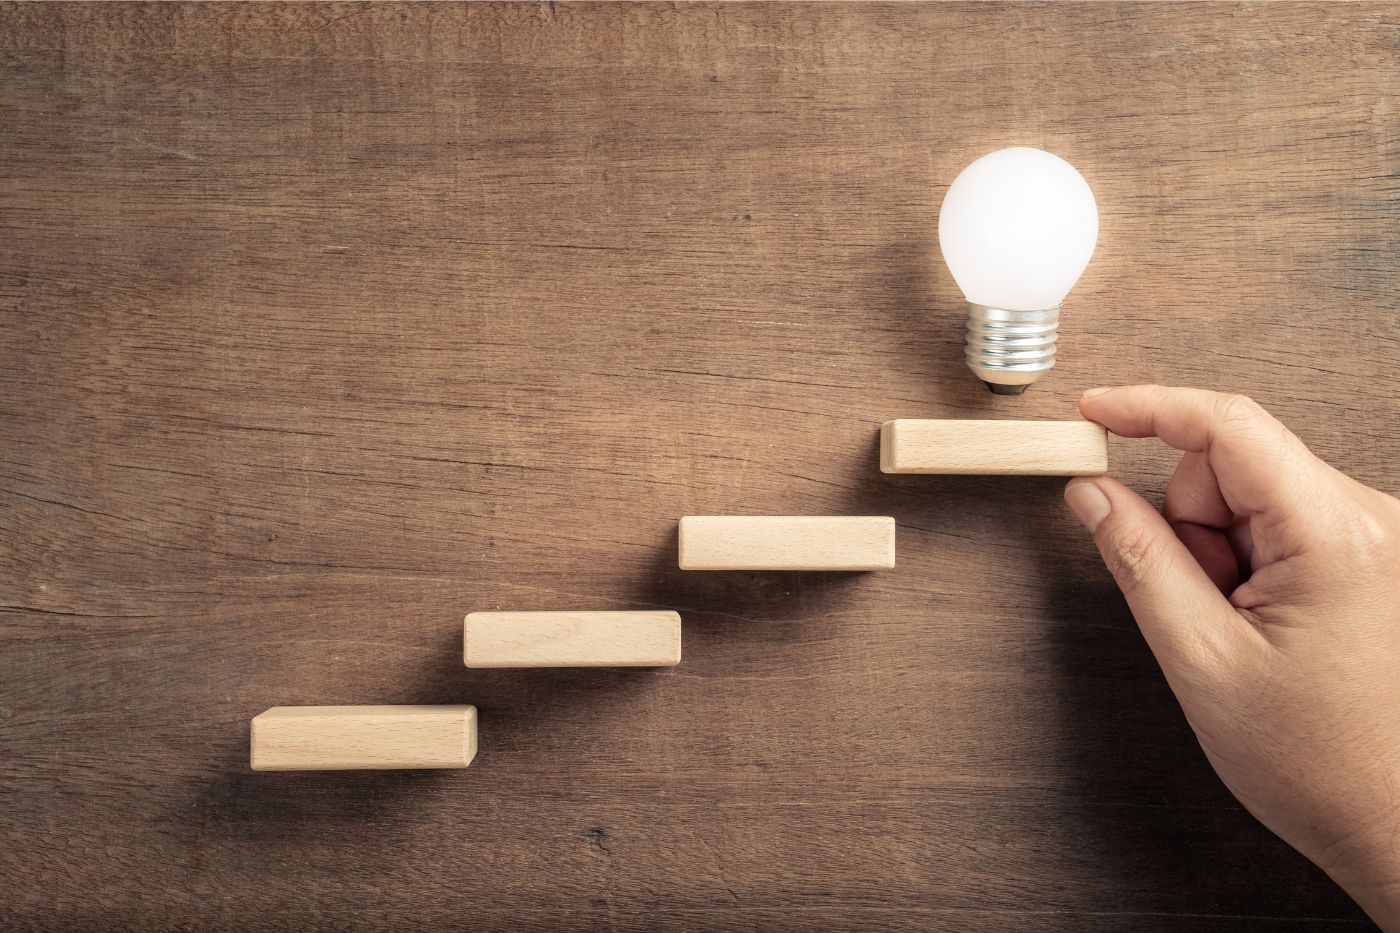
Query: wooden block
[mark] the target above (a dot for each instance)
(572, 639)
(343, 738)
(1027, 448)
(789, 542)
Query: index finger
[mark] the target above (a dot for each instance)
(1258, 461)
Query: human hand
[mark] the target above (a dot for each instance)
(1269, 590)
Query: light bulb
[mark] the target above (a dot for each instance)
(1017, 228)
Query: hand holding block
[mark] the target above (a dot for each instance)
(572, 639)
(1026, 448)
(806, 542)
(343, 738)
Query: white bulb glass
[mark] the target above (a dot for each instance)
(1017, 229)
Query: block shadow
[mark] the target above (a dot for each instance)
(959, 508)
(273, 807)
(722, 611)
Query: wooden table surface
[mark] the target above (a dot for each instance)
(321, 326)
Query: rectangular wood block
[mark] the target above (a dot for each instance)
(572, 639)
(1026, 448)
(343, 738)
(787, 542)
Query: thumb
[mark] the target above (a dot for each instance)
(1182, 614)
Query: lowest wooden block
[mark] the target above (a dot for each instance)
(572, 639)
(789, 542)
(342, 738)
(1027, 448)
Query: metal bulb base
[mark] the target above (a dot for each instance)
(1008, 350)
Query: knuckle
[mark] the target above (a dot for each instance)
(1133, 557)
(1239, 410)
(1374, 535)
(1368, 533)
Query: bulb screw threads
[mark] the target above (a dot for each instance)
(1008, 350)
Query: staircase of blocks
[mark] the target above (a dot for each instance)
(338, 738)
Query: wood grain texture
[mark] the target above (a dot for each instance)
(572, 639)
(993, 448)
(346, 738)
(321, 326)
(786, 542)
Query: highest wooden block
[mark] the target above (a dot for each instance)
(1026, 448)
(789, 542)
(572, 639)
(343, 738)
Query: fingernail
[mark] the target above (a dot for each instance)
(1095, 393)
(1088, 503)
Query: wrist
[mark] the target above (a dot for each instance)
(1366, 865)
(1380, 900)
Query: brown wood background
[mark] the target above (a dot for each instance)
(321, 326)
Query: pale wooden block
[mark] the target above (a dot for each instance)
(1026, 448)
(343, 738)
(787, 542)
(572, 639)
